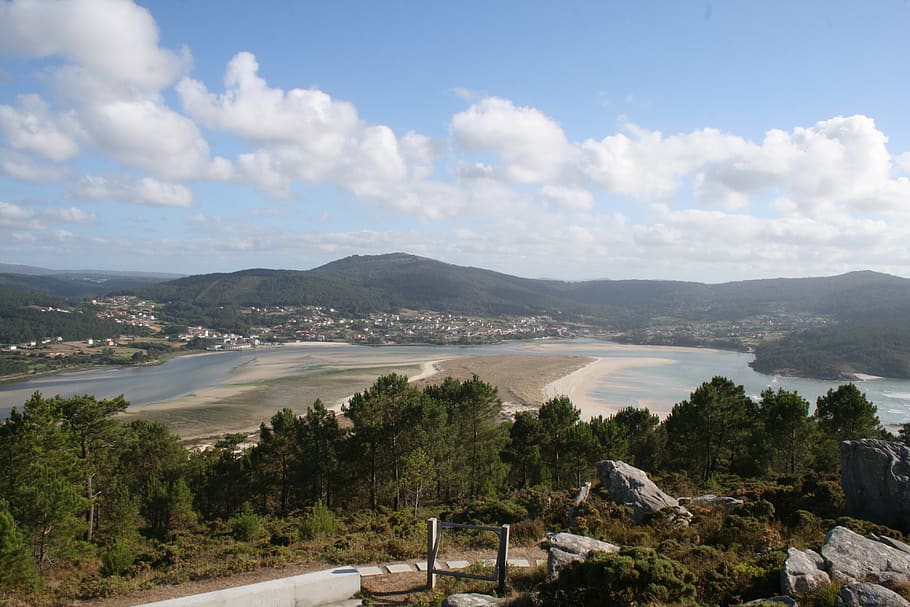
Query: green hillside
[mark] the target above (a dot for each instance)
(76, 285)
(23, 318)
(855, 319)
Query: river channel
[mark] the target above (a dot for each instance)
(656, 386)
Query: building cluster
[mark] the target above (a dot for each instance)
(128, 310)
(314, 323)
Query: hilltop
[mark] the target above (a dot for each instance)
(828, 327)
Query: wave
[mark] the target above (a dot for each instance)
(897, 395)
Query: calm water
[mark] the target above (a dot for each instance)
(657, 386)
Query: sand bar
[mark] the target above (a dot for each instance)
(294, 377)
(579, 386)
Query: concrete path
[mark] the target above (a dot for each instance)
(442, 563)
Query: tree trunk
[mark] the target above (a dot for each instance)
(90, 512)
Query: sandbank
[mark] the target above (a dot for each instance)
(579, 386)
(294, 377)
(865, 377)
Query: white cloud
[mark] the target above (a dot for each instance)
(24, 168)
(844, 159)
(648, 166)
(30, 127)
(251, 109)
(531, 145)
(306, 135)
(70, 215)
(570, 198)
(125, 189)
(115, 39)
(14, 216)
(145, 133)
(109, 86)
(902, 162)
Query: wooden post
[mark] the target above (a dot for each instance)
(502, 559)
(432, 547)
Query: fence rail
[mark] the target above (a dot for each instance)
(435, 527)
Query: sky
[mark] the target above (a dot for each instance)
(676, 139)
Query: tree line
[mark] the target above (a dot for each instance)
(76, 481)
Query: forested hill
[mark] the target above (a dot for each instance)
(26, 315)
(84, 284)
(858, 308)
(363, 284)
(396, 281)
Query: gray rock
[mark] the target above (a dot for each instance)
(580, 544)
(875, 475)
(854, 558)
(803, 572)
(470, 599)
(890, 541)
(583, 492)
(711, 501)
(630, 486)
(567, 548)
(869, 595)
(783, 600)
(558, 559)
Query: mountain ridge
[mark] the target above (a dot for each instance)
(824, 326)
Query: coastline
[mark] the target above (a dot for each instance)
(580, 385)
(599, 377)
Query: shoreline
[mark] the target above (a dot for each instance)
(599, 377)
(580, 385)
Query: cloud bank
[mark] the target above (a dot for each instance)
(121, 119)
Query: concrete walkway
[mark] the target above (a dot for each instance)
(453, 565)
(332, 587)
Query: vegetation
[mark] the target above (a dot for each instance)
(875, 348)
(98, 507)
(28, 316)
(816, 327)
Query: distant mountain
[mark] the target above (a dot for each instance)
(78, 283)
(22, 318)
(362, 284)
(13, 268)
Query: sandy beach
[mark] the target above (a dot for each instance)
(579, 385)
(296, 377)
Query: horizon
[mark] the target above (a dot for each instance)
(542, 278)
(699, 142)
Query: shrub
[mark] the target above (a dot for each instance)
(319, 522)
(632, 576)
(493, 512)
(118, 558)
(866, 527)
(527, 533)
(17, 569)
(246, 526)
(750, 534)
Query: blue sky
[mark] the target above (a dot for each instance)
(705, 141)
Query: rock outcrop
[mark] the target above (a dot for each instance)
(803, 572)
(711, 501)
(783, 600)
(875, 475)
(869, 595)
(854, 558)
(567, 548)
(630, 486)
(470, 599)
